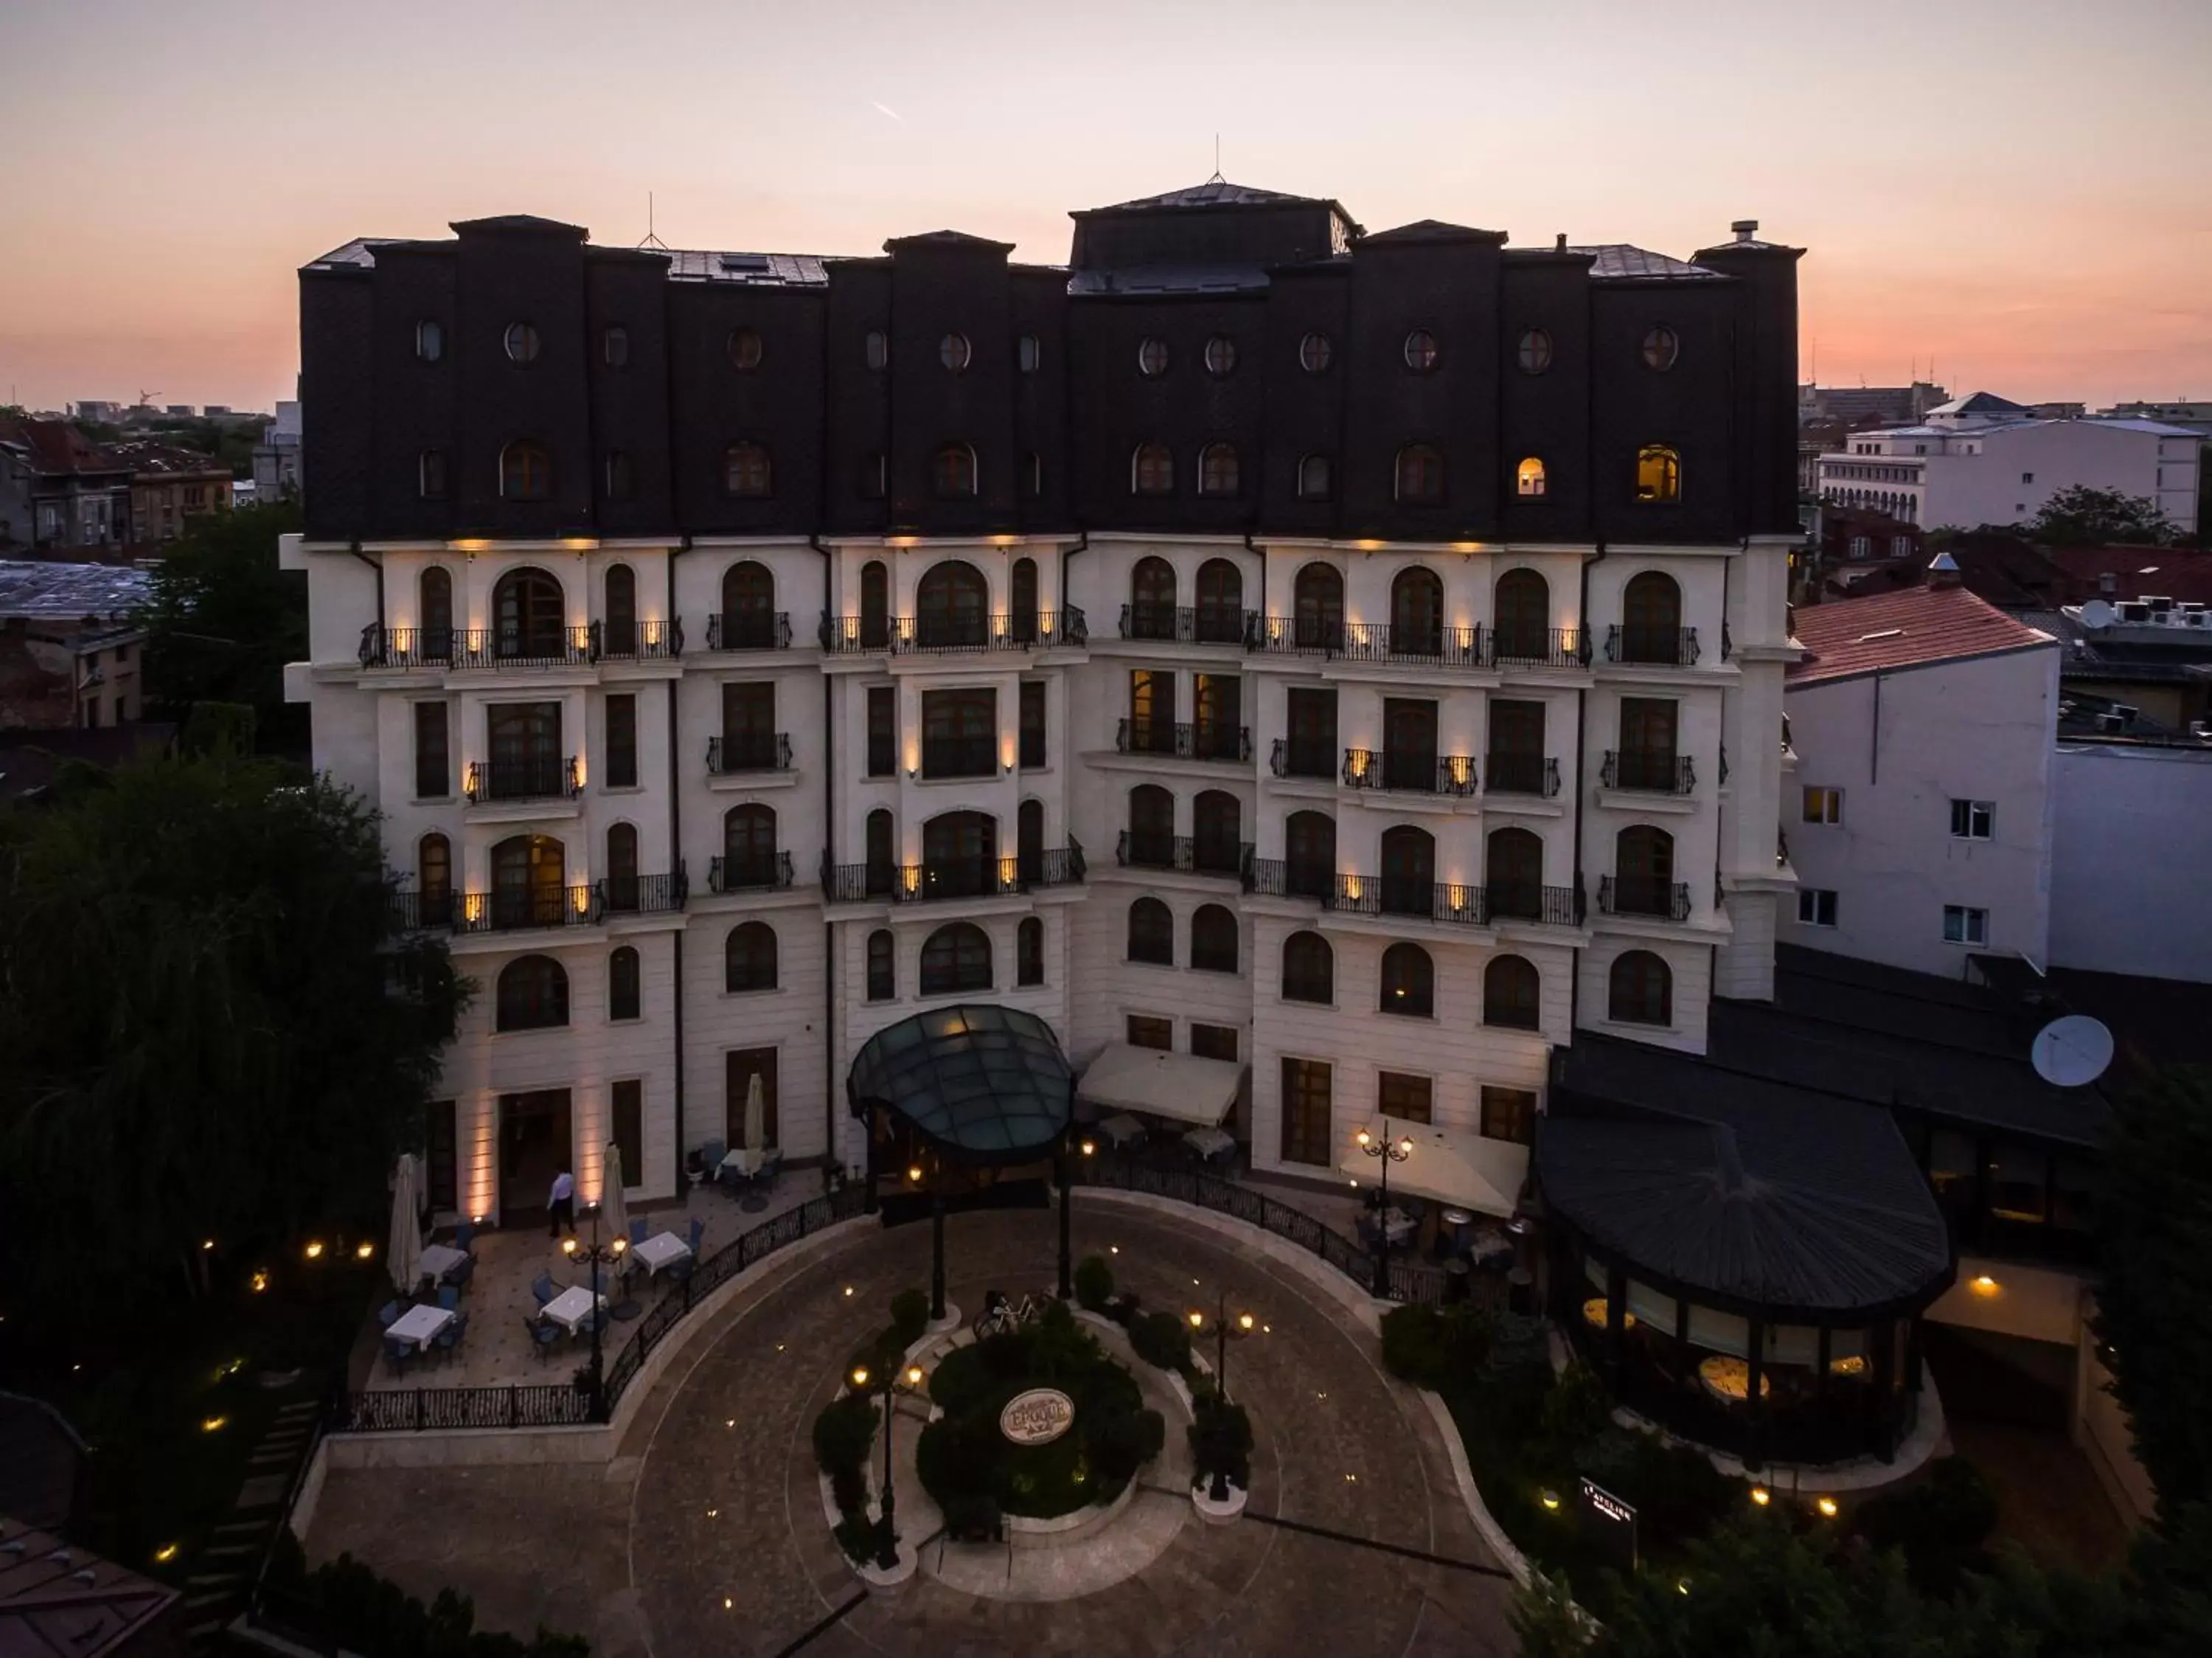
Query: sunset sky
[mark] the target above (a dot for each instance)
(2020, 192)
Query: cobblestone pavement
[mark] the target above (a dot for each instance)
(723, 1549)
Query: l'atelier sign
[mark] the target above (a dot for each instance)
(1036, 1417)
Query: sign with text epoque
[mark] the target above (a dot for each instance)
(1037, 1417)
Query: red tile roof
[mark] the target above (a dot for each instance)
(55, 446)
(1849, 636)
(2170, 572)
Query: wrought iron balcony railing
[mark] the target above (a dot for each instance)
(500, 647)
(1423, 773)
(756, 872)
(520, 908)
(1527, 900)
(1657, 647)
(749, 630)
(1457, 904)
(904, 634)
(1431, 644)
(1545, 647)
(935, 880)
(1302, 756)
(1511, 773)
(641, 894)
(533, 778)
(1643, 895)
(1205, 624)
(960, 757)
(749, 750)
(640, 641)
(1205, 740)
(1138, 849)
(1648, 771)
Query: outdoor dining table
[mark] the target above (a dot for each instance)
(740, 1160)
(1210, 1142)
(570, 1308)
(1122, 1128)
(418, 1326)
(439, 1259)
(662, 1249)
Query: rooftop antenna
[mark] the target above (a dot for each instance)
(651, 240)
(1216, 178)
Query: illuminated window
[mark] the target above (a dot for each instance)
(1528, 479)
(521, 342)
(1421, 474)
(526, 472)
(1824, 806)
(1220, 355)
(1661, 345)
(1152, 358)
(1536, 351)
(954, 353)
(1152, 469)
(1217, 470)
(1658, 474)
(744, 348)
(1313, 353)
(1420, 350)
(746, 472)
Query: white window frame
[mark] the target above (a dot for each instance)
(1973, 925)
(1809, 906)
(1833, 805)
(1970, 812)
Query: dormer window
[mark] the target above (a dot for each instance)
(744, 349)
(952, 472)
(1029, 354)
(1152, 358)
(521, 342)
(430, 340)
(1313, 353)
(1661, 346)
(1536, 351)
(1220, 355)
(614, 348)
(1421, 353)
(875, 351)
(954, 353)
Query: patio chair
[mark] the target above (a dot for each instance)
(465, 1237)
(698, 1231)
(462, 1273)
(449, 1297)
(542, 1334)
(710, 1158)
(387, 1315)
(542, 1287)
(397, 1353)
(637, 1232)
(450, 1338)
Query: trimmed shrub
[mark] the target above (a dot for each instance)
(1578, 1408)
(856, 1535)
(1221, 1441)
(1124, 1441)
(1432, 1347)
(848, 1489)
(1122, 1309)
(1161, 1340)
(845, 1433)
(1939, 1524)
(1094, 1283)
(909, 1316)
(1676, 1489)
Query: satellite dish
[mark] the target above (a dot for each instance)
(2096, 613)
(2073, 1051)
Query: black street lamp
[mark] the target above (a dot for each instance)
(1221, 1333)
(886, 1537)
(598, 1254)
(1391, 1151)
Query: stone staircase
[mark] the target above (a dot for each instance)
(222, 1580)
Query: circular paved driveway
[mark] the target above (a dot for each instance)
(729, 1554)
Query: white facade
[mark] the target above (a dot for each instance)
(1725, 693)
(1965, 473)
(1902, 748)
(2129, 892)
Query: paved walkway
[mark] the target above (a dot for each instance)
(705, 1535)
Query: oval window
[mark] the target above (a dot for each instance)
(1536, 351)
(1420, 350)
(521, 342)
(744, 350)
(1220, 355)
(953, 352)
(1661, 347)
(1313, 353)
(1152, 358)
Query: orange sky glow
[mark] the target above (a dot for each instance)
(2018, 193)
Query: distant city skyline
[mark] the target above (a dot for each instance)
(2020, 210)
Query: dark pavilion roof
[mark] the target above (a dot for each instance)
(1216, 192)
(984, 1083)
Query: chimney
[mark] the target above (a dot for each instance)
(1561, 245)
(2108, 581)
(1745, 229)
(1944, 571)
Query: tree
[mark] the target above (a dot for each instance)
(211, 1030)
(222, 620)
(2079, 516)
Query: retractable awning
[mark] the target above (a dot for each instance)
(1162, 1084)
(1449, 1165)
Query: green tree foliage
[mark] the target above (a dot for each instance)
(1094, 1283)
(222, 620)
(2079, 516)
(344, 1597)
(210, 1028)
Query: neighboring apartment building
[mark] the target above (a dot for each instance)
(2195, 416)
(1983, 460)
(1359, 656)
(1860, 405)
(276, 456)
(169, 486)
(1921, 725)
(59, 491)
(67, 654)
(2129, 892)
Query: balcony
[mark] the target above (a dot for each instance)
(749, 630)
(942, 879)
(906, 636)
(479, 648)
(640, 642)
(1141, 850)
(1549, 647)
(533, 777)
(1371, 642)
(1644, 895)
(760, 872)
(1522, 774)
(1647, 771)
(754, 750)
(503, 648)
(1302, 756)
(1204, 625)
(1652, 647)
(1417, 774)
(1206, 741)
(526, 909)
(1448, 903)
(635, 895)
(960, 757)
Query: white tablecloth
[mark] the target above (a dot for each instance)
(662, 1249)
(748, 1163)
(419, 1325)
(1210, 1141)
(569, 1308)
(439, 1259)
(1398, 1225)
(1122, 1128)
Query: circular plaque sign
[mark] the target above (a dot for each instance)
(1036, 1417)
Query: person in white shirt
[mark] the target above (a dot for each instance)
(560, 1207)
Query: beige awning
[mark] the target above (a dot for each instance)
(1161, 1084)
(1449, 1165)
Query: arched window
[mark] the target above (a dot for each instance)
(1220, 602)
(875, 605)
(1658, 474)
(1310, 854)
(1152, 600)
(529, 882)
(621, 889)
(619, 636)
(1529, 481)
(882, 865)
(434, 880)
(875, 351)
(1313, 353)
(614, 347)
(1318, 596)
(1640, 991)
(1309, 968)
(1651, 618)
(437, 615)
(1421, 474)
(1409, 871)
(744, 348)
(1220, 355)
(1152, 358)
(1522, 631)
(1152, 933)
(960, 855)
(1661, 346)
(1152, 469)
(1510, 993)
(1213, 940)
(953, 603)
(1513, 874)
(748, 853)
(1421, 353)
(534, 994)
(1029, 841)
(954, 353)
(1416, 613)
(1024, 581)
(952, 472)
(430, 474)
(1152, 826)
(748, 618)
(883, 974)
(1216, 469)
(1536, 351)
(1028, 952)
(871, 480)
(1644, 871)
(528, 611)
(1313, 477)
(956, 958)
(526, 472)
(748, 958)
(624, 994)
(1409, 982)
(746, 472)
(1032, 476)
(1217, 827)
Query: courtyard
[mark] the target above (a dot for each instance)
(705, 1533)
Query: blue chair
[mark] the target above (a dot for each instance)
(710, 1158)
(637, 1232)
(397, 1353)
(465, 1237)
(542, 1287)
(387, 1315)
(450, 1338)
(698, 1231)
(463, 1272)
(542, 1334)
(449, 1297)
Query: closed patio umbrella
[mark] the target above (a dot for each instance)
(403, 1257)
(756, 1120)
(614, 1214)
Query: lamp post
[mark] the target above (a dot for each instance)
(1221, 1334)
(598, 1254)
(886, 1537)
(1389, 1151)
